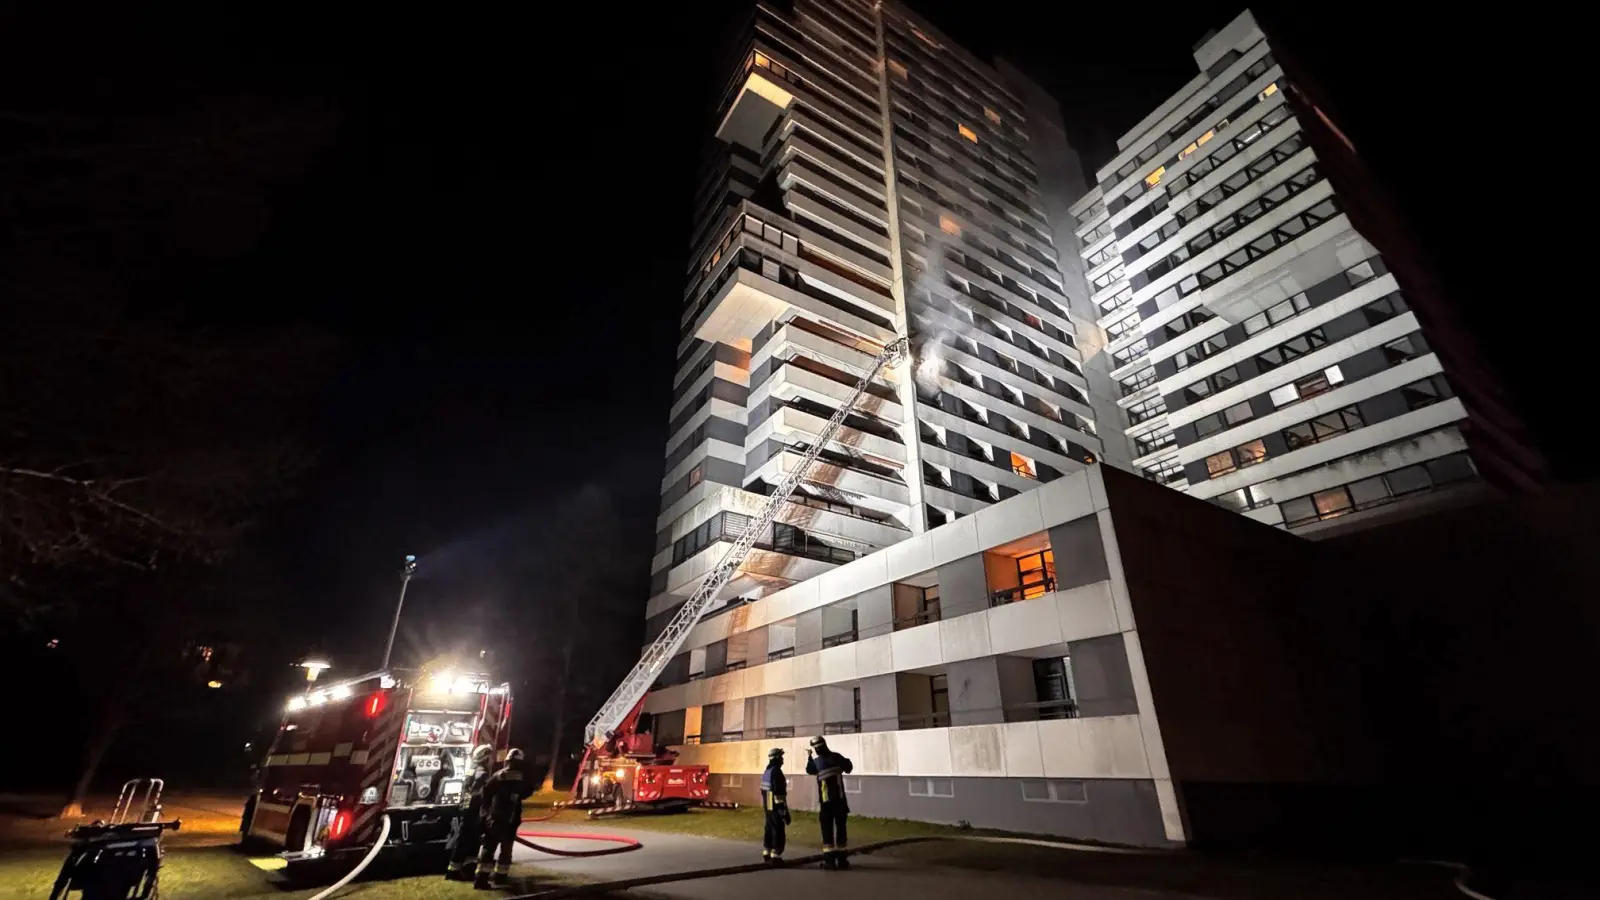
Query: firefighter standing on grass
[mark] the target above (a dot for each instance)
(502, 812)
(775, 801)
(830, 769)
(465, 852)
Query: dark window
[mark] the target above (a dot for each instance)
(1426, 392)
(1323, 427)
(1052, 684)
(1384, 308)
(1409, 347)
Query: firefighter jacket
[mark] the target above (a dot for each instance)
(472, 790)
(504, 792)
(830, 769)
(774, 787)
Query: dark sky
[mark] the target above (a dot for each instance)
(490, 211)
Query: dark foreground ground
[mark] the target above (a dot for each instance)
(202, 862)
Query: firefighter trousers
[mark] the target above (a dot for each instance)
(775, 834)
(834, 817)
(497, 836)
(467, 837)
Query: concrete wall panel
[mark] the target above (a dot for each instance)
(1088, 611)
(1025, 625)
(977, 750)
(917, 647)
(837, 664)
(925, 751)
(966, 637)
(874, 656)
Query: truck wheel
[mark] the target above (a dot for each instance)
(299, 824)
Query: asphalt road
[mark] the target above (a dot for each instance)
(871, 878)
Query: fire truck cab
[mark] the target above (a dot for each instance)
(394, 743)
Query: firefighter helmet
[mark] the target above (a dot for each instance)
(819, 744)
(482, 753)
(513, 753)
(775, 753)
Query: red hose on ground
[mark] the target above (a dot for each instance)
(626, 843)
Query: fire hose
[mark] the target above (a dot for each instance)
(608, 887)
(377, 847)
(625, 844)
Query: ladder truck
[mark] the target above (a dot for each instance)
(622, 768)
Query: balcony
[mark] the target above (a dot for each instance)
(742, 307)
(759, 102)
(1027, 590)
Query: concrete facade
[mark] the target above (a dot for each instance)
(865, 177)
(1267, 356)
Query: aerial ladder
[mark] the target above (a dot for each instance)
(615, 753)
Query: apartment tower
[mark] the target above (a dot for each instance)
(866, 178)
(1278, 346)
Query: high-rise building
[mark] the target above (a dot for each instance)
(867, 178)
(1278, 345)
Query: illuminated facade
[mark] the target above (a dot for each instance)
(866, 178)
(1268, 358)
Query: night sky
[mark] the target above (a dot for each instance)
(491, 213)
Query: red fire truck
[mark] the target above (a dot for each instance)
(628, 771)
(393, 742)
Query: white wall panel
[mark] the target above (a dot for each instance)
(807, 670)
(1025, 624)
(874, 656)
(955, 540)
(1020, 740)
(1065, 499)
(977, 750)
(925, 751)
(837, 664)
(1085, 612)
(1008, 521)
(916, 647)
(964, 637)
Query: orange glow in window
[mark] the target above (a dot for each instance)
(968, 133)
(992, 115)
(897, 67)
(1154, 178)
(1023, 466)
(949, 225)
(763, 62)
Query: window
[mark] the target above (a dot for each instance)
(1154, 178)
(1233, 415)
(1268, 91)
(1023, 466)
(949, 225)
(939, 696)
(1052, 684)
(1406, 348)
(898, 68)
(1240, 457)
(695, 474)
(1293, 348)
(1376, 491)
(931, 787)
(1038, 791)
(1426, 392)
(967, 133)
(991, 115)
(1332, 503)
(1243, 500)
(1323, 427)
(1383, 309)
(1288, 309)
(1036, 574)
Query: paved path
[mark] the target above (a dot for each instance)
(871, 878)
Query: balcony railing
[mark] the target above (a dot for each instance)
(783, 653)
(1049, 709)
(929, 720)
(736, 664)
(853, 727)
(912, 621)
(1027, 589)
(834, 640)
(691, 739)
(779, 731)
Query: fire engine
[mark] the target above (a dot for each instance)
(393, 742)
(622, 767)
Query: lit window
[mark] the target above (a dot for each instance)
(1023, 466)
(1036, 574)
(948, 225)
(897, 67)
(1268, 91)
(694, 476)
(967, 133)
(1184, 153)
(1207, 136)
(926, 40)
(763, 62)
(991, 115)
(1154, 178)
(1285, 395)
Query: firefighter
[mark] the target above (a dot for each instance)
(775, 801)
(464, 855)
(830, 769)
(503, 794)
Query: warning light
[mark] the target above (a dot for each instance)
(375, 704)
(340, 826)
